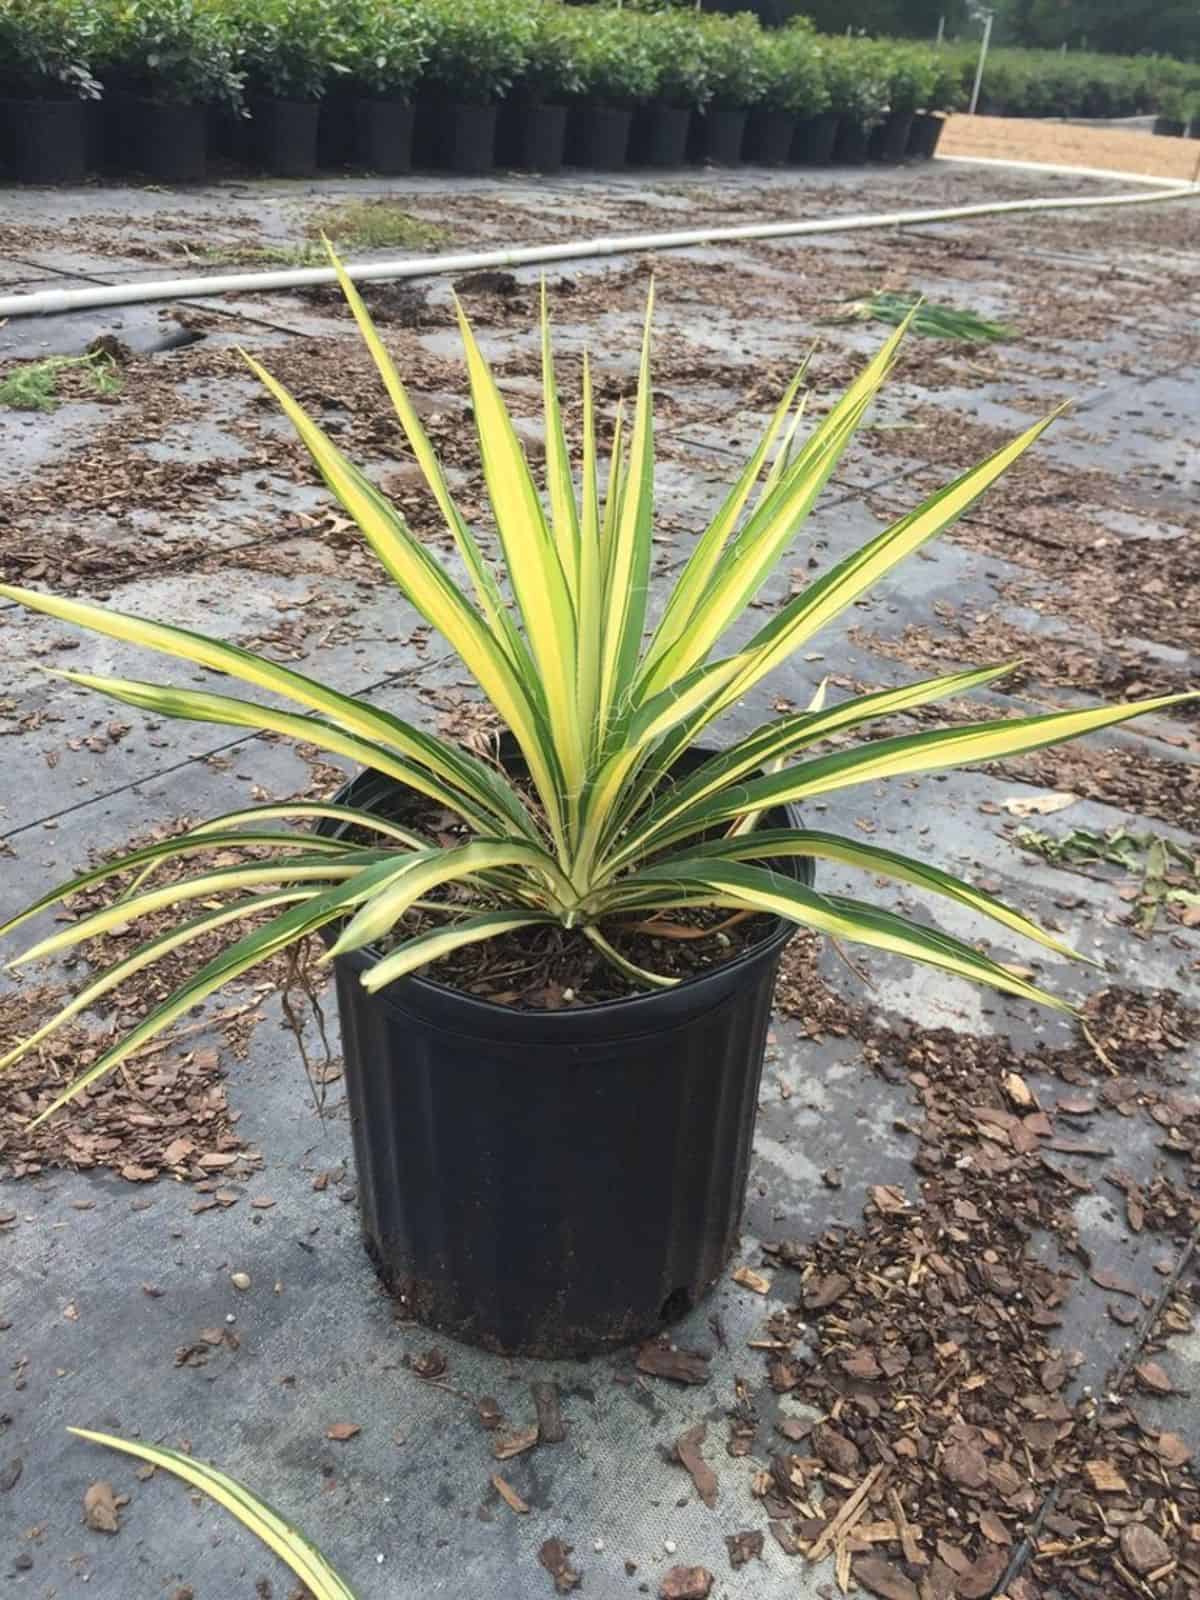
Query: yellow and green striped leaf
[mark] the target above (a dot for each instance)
(250, 951)
(534, 566)
(430, 947)
(773, 742)
(627, 552)
(199, 705)
(825, 599)
(298, 810)
(777, 843)
(590, 599)
(486, 590)
(296, 869)
(356, 716)
(752, 888)
(933, 751)
(693, 580)
(287, 1542)
(561, 486)
(167, 849)
(145, 955)
(440, 602)
(433, 868)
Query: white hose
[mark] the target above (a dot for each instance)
(54, 301)
(1058, 170)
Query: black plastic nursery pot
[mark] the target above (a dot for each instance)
(336, 128)
(531, 135)
(717, 136)
(464, 137)
(814, 140)
(285, 136)
(924, 135)
(383, 135)
(229, 135)
(660, 135)
(598, 136)
(166, 142)
(553, 1182)
(48, 139)
(853, 143)
(889, 138)
(769, 136)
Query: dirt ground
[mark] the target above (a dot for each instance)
(1118, 150)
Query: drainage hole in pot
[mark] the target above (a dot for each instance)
(677, 1304)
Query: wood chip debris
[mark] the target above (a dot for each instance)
(507, 1445)
(688, 1454)
(554, 1555)
(101, 1507)
(686, 1583)
(680, 1366)
(551, 1427)
(749, 1279)
(509, 1495)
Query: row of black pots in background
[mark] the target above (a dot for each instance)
(1167, 127)
(60, 141)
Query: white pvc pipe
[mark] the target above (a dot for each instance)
(1008, 165)
(56, 301)
(988, 18)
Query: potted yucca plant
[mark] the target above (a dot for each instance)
(46, 87)
(555, 966)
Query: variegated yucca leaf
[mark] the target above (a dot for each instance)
(599, 828)
(287, 1542)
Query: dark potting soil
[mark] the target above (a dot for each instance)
(548, 968)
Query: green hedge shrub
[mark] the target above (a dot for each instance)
(385, 46)
(549, 71)
(613, 57)
(289, 49)
(857, 81)
(733, 54)
(182, 52)
(477, 48)
(47, 50)
(480, 50)
(680, 60)
(794, 71)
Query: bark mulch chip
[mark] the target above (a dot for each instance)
(925, 1340)
(166, 1113)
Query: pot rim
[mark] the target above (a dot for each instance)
(480, 1011)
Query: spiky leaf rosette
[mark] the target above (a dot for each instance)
(601, 706)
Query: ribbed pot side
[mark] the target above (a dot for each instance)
(554, 1182)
